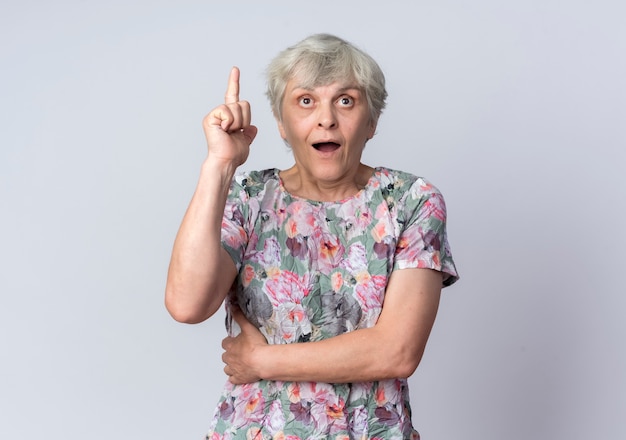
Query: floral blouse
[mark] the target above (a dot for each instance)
(311, 270)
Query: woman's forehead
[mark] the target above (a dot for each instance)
(345, 84)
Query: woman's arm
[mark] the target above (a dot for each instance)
(201, 271)
(392, 348)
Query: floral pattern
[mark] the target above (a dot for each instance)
(312, 270)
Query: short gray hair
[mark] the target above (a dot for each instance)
(322, 59)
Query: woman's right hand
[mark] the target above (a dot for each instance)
(227, 127)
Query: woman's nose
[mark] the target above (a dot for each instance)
(327, 118)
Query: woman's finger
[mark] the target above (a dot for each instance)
(227, 342)
(232, 91)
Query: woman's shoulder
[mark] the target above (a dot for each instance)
(398, 184)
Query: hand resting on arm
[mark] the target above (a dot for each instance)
(392, 348)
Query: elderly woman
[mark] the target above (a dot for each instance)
(331, 270)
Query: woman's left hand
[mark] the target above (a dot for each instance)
(241, 351)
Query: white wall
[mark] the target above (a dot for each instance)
(516, 110)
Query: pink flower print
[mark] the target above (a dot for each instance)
(410, 244)
(322, 391)
(382, 229)
(250, 402)
(253, 402)
(425, 186)
(431, 240)
(335, 410)
(363, 219)
(429, 261)
(362, 391)
(300, 220)
(233, 236)
(336, 281)
(293, 392)
(308, 390)
(358, 423)
(388, 391)
(386, 180)
(375, 183)
(233, 212)
(355, 218)
(357, 258)
(382, 211)
(276, 421)
(254, 433)
(437, 259)
(330, 251)
(434, 207)
(281, 214)
(270, 256)
(281, 436)
(291, 228)
(287, 287)
(335, 415)
(297, 314)
(380, 396)
(293, 322)
(319, 417)
(325, 393)
(370, 291)
(247, 275)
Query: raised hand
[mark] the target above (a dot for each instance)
(227, 127)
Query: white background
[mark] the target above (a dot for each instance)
(515, 110)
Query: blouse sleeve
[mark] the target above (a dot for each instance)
(423, 241)
(234, 234)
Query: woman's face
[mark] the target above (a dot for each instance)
(327, 128)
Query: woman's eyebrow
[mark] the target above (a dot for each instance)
(346, 88)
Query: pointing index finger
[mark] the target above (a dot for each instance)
(232, 91)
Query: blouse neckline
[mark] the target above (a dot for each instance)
(355, 196)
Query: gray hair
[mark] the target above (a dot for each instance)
(322, 59)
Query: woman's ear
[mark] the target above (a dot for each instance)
(372, 129)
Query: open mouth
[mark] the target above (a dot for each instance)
(326, 147)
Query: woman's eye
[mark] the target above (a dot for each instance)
(346, 101)
(306, 101)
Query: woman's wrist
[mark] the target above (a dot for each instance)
(260, 359)
(222, 170)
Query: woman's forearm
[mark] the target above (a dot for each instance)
(200, 271)
(359, 356)
(393, 348)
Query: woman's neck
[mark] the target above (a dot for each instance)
(297, 184)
